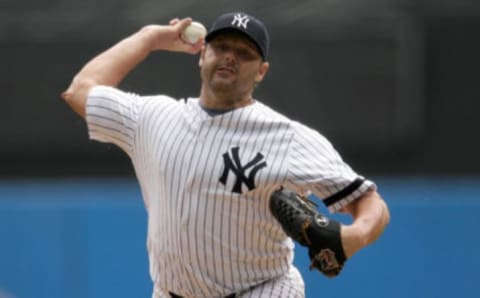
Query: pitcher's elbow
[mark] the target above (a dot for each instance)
(66, 95)
(386, 214)
(77, 93)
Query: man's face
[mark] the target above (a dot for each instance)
(231, 63)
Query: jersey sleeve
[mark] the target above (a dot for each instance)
(112, 116)
(316, 167)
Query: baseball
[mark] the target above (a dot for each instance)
(194, 32)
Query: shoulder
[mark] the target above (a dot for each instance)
(267, 121)
(267, 112)
(102, 94)
(306, 136)
(304, 129)
(297, 127)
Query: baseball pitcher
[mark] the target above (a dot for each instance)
(223, 176)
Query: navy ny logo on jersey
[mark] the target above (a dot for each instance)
(233, 164)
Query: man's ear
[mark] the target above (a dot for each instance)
(202, 56)
(262, 72)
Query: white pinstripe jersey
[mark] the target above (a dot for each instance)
(206, 183)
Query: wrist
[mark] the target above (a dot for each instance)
(146, 34)
(151, 36)
(353, 239)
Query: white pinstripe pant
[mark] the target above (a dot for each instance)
(289, 285)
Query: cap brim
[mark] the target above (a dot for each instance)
(210, 36)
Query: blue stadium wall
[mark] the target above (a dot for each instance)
(87, 238)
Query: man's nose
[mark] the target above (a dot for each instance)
(230, 55)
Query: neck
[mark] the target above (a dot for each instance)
(224, 101)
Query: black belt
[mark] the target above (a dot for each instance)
(173, 295)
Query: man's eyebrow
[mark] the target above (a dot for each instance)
(247, 43)
(252, 46)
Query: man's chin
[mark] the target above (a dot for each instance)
(222, 85)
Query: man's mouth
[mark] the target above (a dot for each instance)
(226, 70)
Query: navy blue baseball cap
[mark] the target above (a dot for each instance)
(241, 22)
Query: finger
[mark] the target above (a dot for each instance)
(197, 47)
(174, 21)
(190, 48)
(182, 24)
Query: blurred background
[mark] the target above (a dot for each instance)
(393, 84)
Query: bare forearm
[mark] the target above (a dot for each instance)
(110, 67)
(370, 217)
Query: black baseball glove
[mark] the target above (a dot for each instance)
(300, 220)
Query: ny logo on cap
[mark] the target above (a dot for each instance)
(240, 20)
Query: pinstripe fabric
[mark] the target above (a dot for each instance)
(206, 183)
(279, 287)
(314, 165)
(288, 285)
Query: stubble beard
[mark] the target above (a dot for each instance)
(225, 90)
